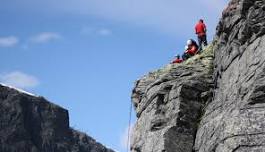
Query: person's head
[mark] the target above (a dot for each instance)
(177, 56)
(201, 20)
(189, 42)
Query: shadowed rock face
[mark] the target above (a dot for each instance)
(32, 124)
(187, 108)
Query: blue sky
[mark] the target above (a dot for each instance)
(85, 55)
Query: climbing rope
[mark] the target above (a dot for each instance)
(129, 127)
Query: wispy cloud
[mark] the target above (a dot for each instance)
(96, 31)
(45, 37)
(9, 41)
(19, 79)
(172, 16)
(104, 32)
(124, 136)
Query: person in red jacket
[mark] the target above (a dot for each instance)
(177, 60)
(191, 49)
(200, 30)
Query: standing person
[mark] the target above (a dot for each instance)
(200, 30)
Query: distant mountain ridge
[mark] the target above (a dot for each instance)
(30, 123)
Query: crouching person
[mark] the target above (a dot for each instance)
(191, 49)
(177, 59)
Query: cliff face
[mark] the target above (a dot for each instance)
(168, 104)
(32, 124)
(235, 119)
(190, 107)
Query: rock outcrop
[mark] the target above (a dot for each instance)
(169, 103)
(235, 120)
(32, 124)
(209, 106)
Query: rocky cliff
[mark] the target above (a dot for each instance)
(235, 119)
(214, 102)
(32, 124)
(169, 104)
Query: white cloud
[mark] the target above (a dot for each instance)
(104, 32)
(45, 37)
(19, 79)
(173, 16)
(8, 41)
(96, 31)
(124, 137)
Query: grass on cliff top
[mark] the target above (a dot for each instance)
(205, 58)
(206, 53)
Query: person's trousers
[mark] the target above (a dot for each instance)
(202, 40)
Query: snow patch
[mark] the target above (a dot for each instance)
(19, 90)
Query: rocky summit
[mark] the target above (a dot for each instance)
(32, 124)
(213, 102)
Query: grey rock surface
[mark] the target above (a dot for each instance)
(190, 108)
(32, 124)
(168, 103)
(235, 120)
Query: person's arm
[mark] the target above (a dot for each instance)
(188, 51)
(193, 50)
(205, 29)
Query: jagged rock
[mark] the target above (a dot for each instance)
(32, 124)
(234, 121)
(168, 103)
(187, 108)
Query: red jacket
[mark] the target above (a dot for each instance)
(192, 51)
(200, 29)
(177, 61)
